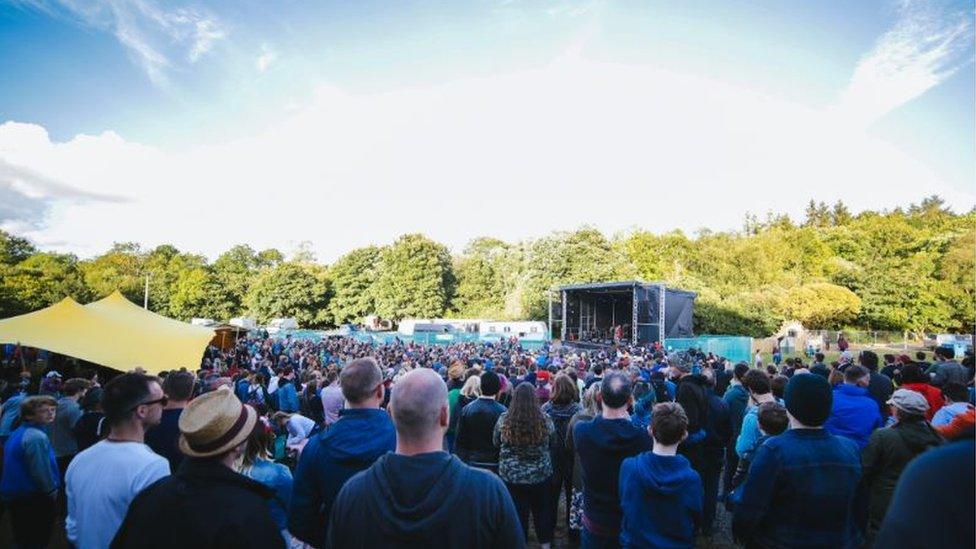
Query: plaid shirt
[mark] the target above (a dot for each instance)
(799, 492)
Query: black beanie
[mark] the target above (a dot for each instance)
(490, 384)
(809, 399)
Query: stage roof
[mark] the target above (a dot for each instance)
(618, 286)
(113, 332)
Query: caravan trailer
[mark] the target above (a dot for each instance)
(529, 330)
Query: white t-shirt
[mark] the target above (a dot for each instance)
(101, 482)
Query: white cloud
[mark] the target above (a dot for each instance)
(155, 34)
(928, 43)
(512, 156)
(266, 59)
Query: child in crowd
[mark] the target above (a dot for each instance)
(772, 421)
(661, 495)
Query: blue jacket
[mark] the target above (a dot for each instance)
(29, 466)
(854, 414)
(9, 414)
(800, 491)
(661, 497)
(287, 397)
(278, 478)
(350, 445)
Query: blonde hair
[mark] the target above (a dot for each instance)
(472, 387)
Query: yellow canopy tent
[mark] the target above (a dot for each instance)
(112, 332)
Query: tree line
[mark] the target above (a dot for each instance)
(909, 269)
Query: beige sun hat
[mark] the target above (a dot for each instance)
(214, 423)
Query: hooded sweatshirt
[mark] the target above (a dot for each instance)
(602, 445)
(425, 501)
(350, 445)
(662, 501)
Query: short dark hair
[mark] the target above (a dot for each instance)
(740, 370)
(359, 378)
(854, 373)
(869, 359)
(819, 356)
(778, 385)
(669, 423)
(75, 385)
(122, 394)
(616, 390)
(920, 355)
(955, 391)
(912, 373)
(756, 381)
(598, 369)
(946, 352)
(772, 418)
(179, 385)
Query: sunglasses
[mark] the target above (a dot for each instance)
(161, 401)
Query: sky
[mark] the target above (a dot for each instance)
(343, 124)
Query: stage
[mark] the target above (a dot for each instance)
(602, 314)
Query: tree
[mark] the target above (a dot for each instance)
(42, 280)
(353, 279)
(481, 279)
(194, 296)
(840, 214)
(821, 305)
(235, 271)
(298, 290)
(415, 279)
(120, 268)
(14, 249)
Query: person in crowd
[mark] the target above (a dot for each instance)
(956, 399)
(760, 391)
(602, 444)
(660, 494)
(10, 410)
(914, 378)
(891, 365)
(801, 483)
(91, 427)
(104, 479)
(595, 376)
(889, 451)
(777, 385)
(543, 389)
(164, 438)
(69, 412)
(562, 406)
(455, 381)
(937, 486)
(773, 420)
(718, 433)
(421, 496)
(854, 413)
(256, 464)
(298, 427)
(30, 482)
(920, 359)
(737, 399)
(524, 436)
(332, 399)
(879, 386)
(206, 503)
(476, 426)
(946, 369)
(692, 395)
(470, 392)
(591, 408)
(287, 392)
(819, 367)
(310, 403)
(353, 443)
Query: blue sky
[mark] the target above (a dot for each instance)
(368, 105)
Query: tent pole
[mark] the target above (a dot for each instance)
(145, 295)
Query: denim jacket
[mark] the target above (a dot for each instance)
(277, 477)
(801, 486)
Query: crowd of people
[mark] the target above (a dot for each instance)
(279, 442)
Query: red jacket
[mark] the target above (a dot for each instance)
(932, 394)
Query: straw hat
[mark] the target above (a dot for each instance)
(214, 423)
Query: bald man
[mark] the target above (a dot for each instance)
(421, 496)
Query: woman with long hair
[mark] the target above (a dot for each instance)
(256, 464)
(525, 436)
(562, 406)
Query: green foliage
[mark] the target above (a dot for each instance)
(908, 269)
(415, 279)
(354, 276)
(292, 289)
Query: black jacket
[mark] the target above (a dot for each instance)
(474, 432)
(204, 505)
(427, 501)
(692, 397)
